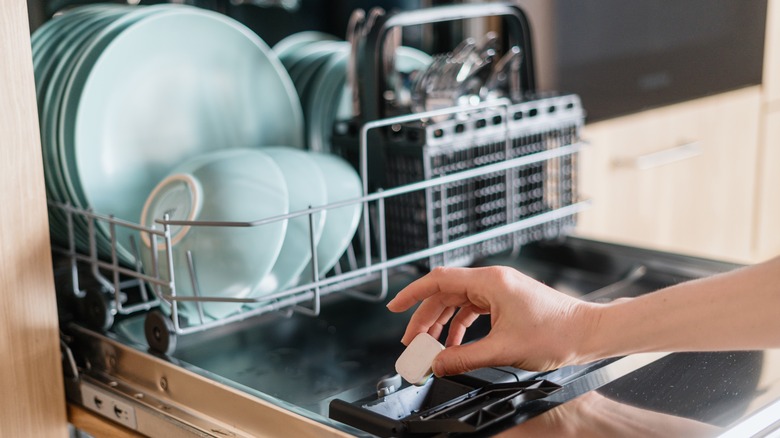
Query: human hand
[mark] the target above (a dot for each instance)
(533, 327)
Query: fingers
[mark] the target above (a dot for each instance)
(436, 329)
(460, 323)
(449, 280)
(415, 292)
(459, 359)
(430, 313)
(442, 291)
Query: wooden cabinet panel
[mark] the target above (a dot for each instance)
(680, 178)
(767, 234)
(32, 401)
(767, 237)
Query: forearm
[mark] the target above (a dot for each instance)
(738, 310)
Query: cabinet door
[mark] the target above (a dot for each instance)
(680, 178)
(767, 237)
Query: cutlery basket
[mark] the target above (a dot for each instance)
(463, 208)
(538, 131)
(538, 140)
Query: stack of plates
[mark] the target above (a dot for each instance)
(317, 64)
(126, 93)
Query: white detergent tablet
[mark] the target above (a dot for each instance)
(414, 364)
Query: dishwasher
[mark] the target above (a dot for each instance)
(473, 184)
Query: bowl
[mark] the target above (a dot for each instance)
(342, 183)
(234, 185)
(306, 188)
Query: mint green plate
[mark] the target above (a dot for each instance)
(321, 97)
(68, 41)
(285, 48)
(318, 54)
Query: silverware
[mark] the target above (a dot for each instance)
(504, 80)
(470, 74)
(354, 31)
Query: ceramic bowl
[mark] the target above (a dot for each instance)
(236, 185)
(306, 188)
(341, 183)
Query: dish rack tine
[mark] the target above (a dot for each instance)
(380, 231)
(315, 309)
(315, 263)
(114, 263)
(171, 276)
(157, 288)
(195, 285)
(138, 268)
(382, 247)
(74, 270)
(74, 277)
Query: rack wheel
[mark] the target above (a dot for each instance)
(96, 310)
(159, 333)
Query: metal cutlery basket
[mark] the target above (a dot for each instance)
(445, 186)
(472, 205)
(535, 143)
(408, 149)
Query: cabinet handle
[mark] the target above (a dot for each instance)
(662, 157)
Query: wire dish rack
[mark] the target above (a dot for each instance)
(481, 189)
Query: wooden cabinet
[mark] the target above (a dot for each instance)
(767, 236)
(701, 177)
(32, 401)
(680, 178)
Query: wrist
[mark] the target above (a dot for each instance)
(597, 335)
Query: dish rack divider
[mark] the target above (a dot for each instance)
(490, 157)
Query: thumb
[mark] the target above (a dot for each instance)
(459, 359)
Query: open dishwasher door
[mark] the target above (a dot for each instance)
(304, 376)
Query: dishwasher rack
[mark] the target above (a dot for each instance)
(124, 290)
(440, 187)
